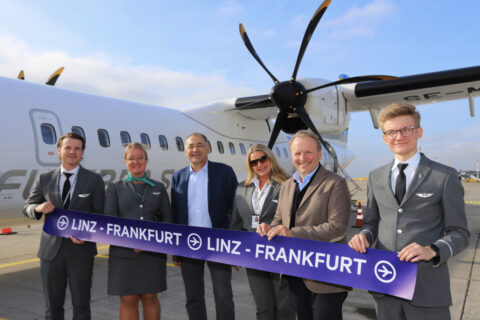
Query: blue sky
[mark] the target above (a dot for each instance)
(173, 53)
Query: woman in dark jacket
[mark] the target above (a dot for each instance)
(256, 202)
(137, 275)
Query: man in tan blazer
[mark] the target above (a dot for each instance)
(313, 204)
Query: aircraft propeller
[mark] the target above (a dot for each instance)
(54, 77)
(290, 96)
(51, 80)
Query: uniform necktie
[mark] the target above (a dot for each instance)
(66, 189)
(401, 184)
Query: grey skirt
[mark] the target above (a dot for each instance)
(145, 273)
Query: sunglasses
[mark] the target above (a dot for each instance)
(253, 163)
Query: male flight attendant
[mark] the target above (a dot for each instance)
(65, 260)
(202, 196)
(415, 207)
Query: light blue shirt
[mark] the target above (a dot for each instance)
(198, 198)
(306, 180)
(409, 170)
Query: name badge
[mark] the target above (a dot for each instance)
(255, 221)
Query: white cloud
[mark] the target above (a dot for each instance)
(361, 21)
(269, 33)
(230, 8)
(299, 22)
(107, 76)
(459, 148)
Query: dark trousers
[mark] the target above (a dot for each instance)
(271, 294)
(318, 306)
(193, 278)
(67, 268)
(392, 308)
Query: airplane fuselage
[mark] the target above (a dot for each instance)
(35, 116)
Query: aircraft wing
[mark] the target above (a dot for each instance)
(415, 89)
(261, 107)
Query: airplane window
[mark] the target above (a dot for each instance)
(179, 142)
(285, 153)
(145, 140)
(232, 148)
(277, 152)
(210, 146)
(163, 142)
(79, 130)
(125, 137)
(49, 135)
(103, 138)
(242, 149)
(220, 146)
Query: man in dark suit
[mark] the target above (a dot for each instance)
(202, 195)
(415, 207)
(313, 204)
(65, 260)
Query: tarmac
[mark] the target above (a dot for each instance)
(21, 295)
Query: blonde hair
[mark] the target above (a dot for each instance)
(398, 109)
(135, 145)
(303, 134)
(277, 174)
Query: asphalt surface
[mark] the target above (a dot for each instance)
(21, 295)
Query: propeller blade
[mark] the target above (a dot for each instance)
(281, 117)
(54, 77)
(250, 48)
(302, 113)
(352, 80)
(21, 75)
(308, 34)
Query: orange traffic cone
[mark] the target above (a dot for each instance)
(6, 231)
(359, 222)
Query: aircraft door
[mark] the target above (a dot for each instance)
(46, 131)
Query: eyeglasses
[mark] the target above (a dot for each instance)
(405, 132)
(139, 159)
(198, 146)
(254, 163)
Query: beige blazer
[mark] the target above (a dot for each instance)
(322, 215)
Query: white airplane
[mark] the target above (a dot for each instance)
(35, 116)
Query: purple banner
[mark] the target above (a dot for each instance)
(377, 270)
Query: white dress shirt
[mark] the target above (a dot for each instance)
(259, 196)
(198, 214)
(409, 170)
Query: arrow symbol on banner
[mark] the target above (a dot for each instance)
(194, 242)
(385, 272)
(62, 223)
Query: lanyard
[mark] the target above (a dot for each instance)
(72, 184)
(141, 197)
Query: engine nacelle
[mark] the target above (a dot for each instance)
(326, 108)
